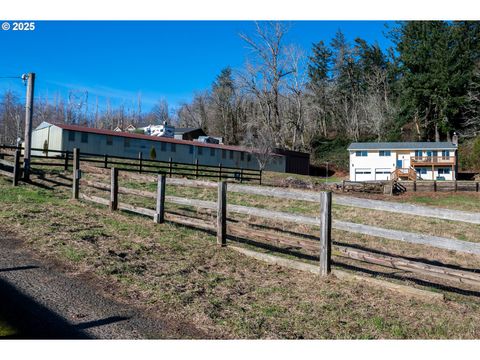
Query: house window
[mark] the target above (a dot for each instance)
(445, 154)
(84, 138)
(200, 150)
(422, 171)
(231, 154)
(385, 152)
(418, 153)
(173, 147)
(249, 157)
(126, 142)
(212, 152)
(190, 149)
(242, 156)
(224, 154)
(71, 136)
(361, 153)
(163, 146)
(109, 140)
(443, 171)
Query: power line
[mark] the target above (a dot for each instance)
(10, 77)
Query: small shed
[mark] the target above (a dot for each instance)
(189, 133)
(296, 162)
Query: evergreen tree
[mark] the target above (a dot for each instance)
(436, 63)
(318, 70)
(223, 96)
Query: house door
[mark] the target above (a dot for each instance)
(399, 164)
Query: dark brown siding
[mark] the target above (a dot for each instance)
(296, 162)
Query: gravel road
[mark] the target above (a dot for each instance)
(45, 303)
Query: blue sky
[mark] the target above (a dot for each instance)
(159, 59)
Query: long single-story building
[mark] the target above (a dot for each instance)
(371, 161)
(100, 141)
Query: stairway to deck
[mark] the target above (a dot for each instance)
(404, 174)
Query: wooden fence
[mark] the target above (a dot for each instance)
(12, 168)
(225, 228)
(380, 187)
(57, 158)
(220, 207)
(440, 186)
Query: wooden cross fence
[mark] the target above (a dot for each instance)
(324, 246)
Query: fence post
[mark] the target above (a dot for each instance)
(241, 175)
(16, 168)
(222, 214)
(261, 171)
(159, 217)
(434, 185)
(343, 186)
(414, 185)
(170, 167)
(76, 173)
(196, 168)
(220, 172)
(476, 186)
(140, 160)
(65, 166)
(114, 189)
(105, 161)
(325, 232)
(456, 186)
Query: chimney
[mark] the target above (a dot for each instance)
(455, 139)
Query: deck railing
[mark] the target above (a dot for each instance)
(432, 160)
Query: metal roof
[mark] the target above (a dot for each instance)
(402, 146)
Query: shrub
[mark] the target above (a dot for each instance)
(153, 153)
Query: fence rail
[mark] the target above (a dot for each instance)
(12, 168)
(322, 245)
(142, 165)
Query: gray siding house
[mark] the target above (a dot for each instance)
(100, 141)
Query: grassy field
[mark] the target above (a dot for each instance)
(170, 269)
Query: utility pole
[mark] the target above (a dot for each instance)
(28, 126)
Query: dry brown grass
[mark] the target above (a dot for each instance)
(179, 272)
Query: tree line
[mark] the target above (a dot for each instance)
(423, 88)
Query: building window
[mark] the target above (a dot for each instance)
(249, 157)
(422, 171)
(445, 154)
(443, 171)
(418, 153)
(109, 140)
(361, 153)
(126, 142)
(163, 146)
(200, 150)
(190, 149)
(231, 154)
(71, 136)
(84, 138)
(242, 156)
(212, 152)
(224, 154)
(173, 147)
(385, 153)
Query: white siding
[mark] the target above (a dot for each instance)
(372, 161)
(379, 165)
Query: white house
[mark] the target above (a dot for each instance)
(403, 160)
